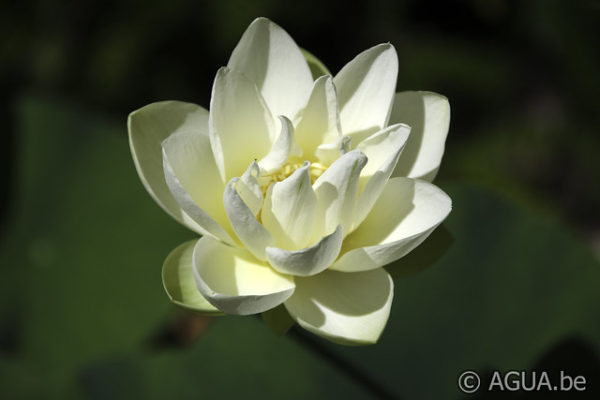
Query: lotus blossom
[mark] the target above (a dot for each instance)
(303, 185)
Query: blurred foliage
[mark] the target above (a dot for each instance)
(82, 310)
(86, 311)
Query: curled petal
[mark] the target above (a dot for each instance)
(251, 233)
(235, 282)
(337, 192)
(383, 150)
(290, 210)
(189, 168)
(342, 307)
(179, 283)
(406, 212)
(206, 224)
(249, 189)
(310, 261)
(281, 149)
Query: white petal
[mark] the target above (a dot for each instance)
(281, 149)
(179, 283)
(249, 189)
(235, 282)
(269, 57)
(241, 126)
(383, 150)
(290, 210)
(148, 127)
(337, 192)
(319, 122)
(342, 307)
(365, 88)
(251, 233)
(406, 212)
(206, 223)
(328, 153)
(308, 261)
(428, 114)
(189, 163)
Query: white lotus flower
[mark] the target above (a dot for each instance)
(302, 186)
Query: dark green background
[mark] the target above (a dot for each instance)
(82, 310)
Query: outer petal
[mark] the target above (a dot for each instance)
(365, 88)
(235, 282)
(405, 214)
(319, 122)
(269, 57)
(148, 127)
(342, 307)
(241, 126)
(428, 114)
(383, 150)
(337, 192)
(190, 168)
(178, 280)
(308, 261)
(252, 234)
(290, 210)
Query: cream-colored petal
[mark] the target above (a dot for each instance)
(179, 283)
(148, 127)
(242, 128)
(365, 88)
(319, 121)
(328, 153)
(270, 58)
(249, 189)
(309, 261)
(206, 223)
(383, 150)
(251, 233)
(290, 210)
(428, 114)
(188, 158)
(337, 193)
(347, 308)
(281, 148)
(235, 282)
(405, 213)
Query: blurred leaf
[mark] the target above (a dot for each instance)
(82, 256)
(237, 358)
(511, 285)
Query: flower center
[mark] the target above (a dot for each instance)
(315, 170)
